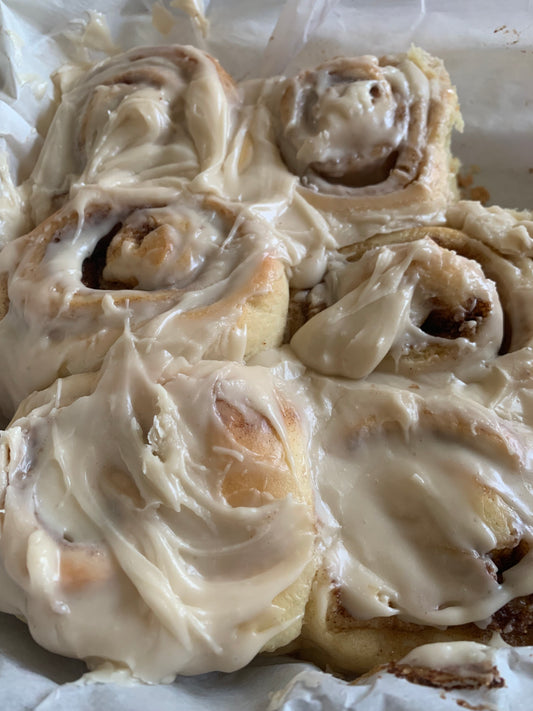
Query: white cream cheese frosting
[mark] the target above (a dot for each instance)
(368, 139)
(345, 120)
(156, 115)
(417, 301)
(508, 231)
(208, 280)
(420, 489)
(384, 303)
(177, 512)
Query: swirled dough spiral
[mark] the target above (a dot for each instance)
(420, 300)
(150, 115)
(200, 278)
(164, 522)
(369, 140)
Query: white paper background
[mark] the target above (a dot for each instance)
(488, 49)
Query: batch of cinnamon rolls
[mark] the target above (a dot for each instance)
(267, 381)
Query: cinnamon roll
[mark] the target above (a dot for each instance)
(163, 523)
(200, 278)
(369, 140)
(150, 115)
(427, 523)
(507, 231)
(427, 299)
